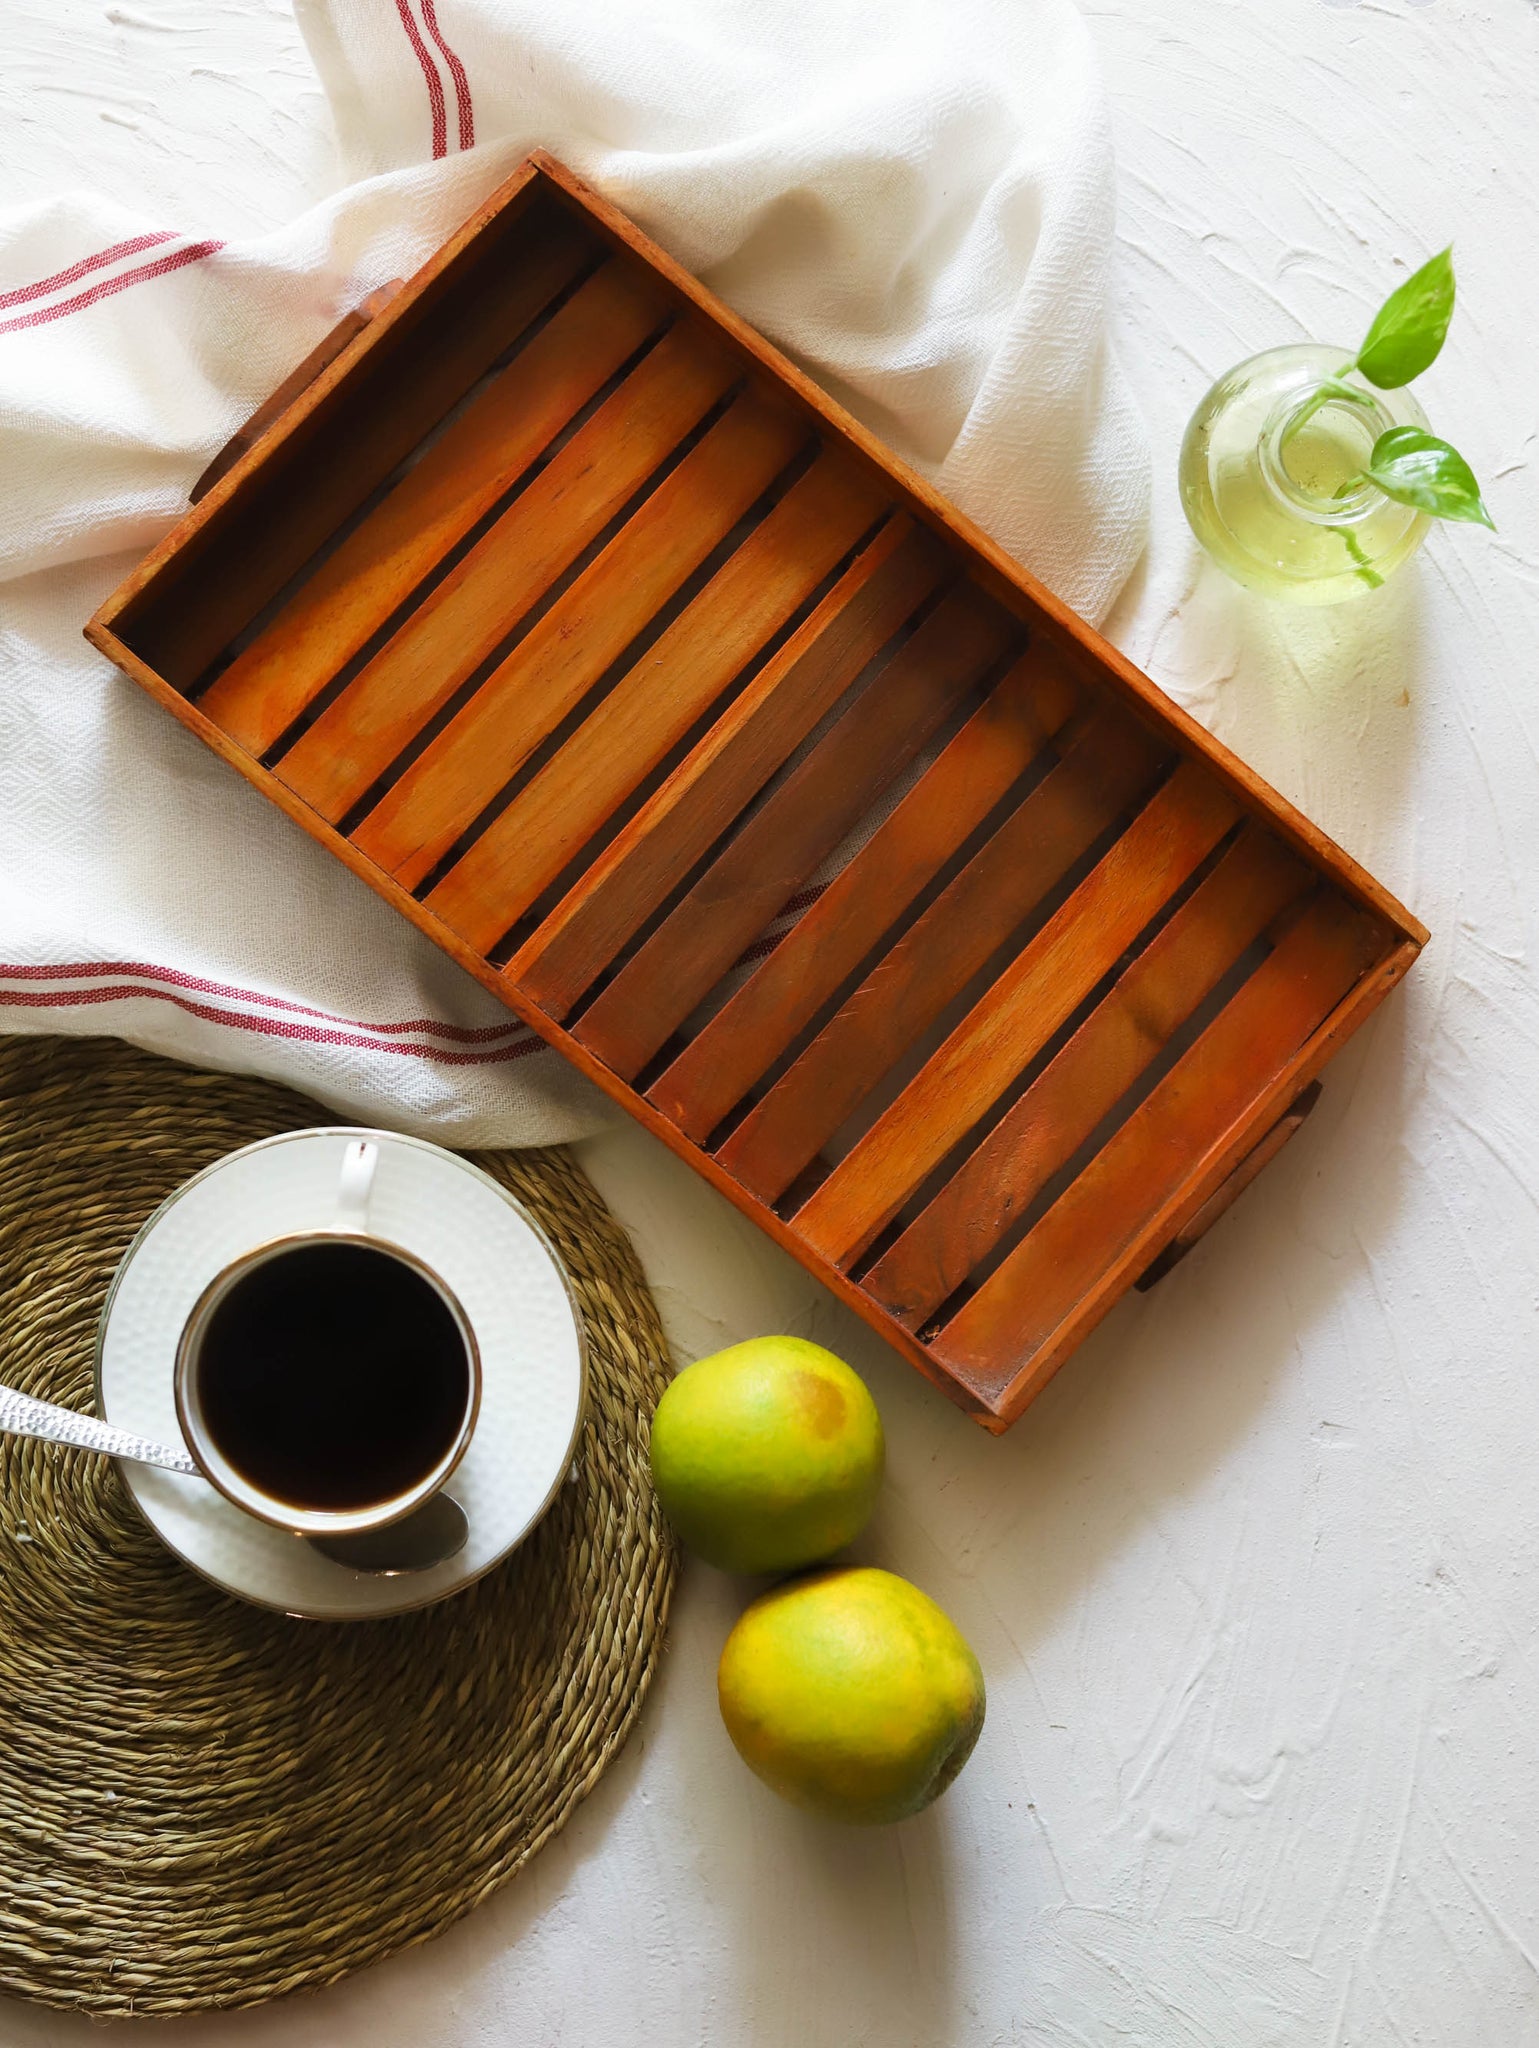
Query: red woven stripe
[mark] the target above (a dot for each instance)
(439, 110)
(24, 293)
(83, 970)
(264, 1027)
(193, 253)
(462, 106)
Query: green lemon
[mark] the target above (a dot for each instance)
(768, 1455)
(850, 1693)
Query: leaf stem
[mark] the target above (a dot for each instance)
(1328, 390)
(1365, 568)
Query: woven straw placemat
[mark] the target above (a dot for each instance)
(203, 1804)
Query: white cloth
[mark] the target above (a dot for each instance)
(913, 199)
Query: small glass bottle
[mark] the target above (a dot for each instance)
(1267, 478)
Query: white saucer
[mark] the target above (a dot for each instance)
(458, 1221)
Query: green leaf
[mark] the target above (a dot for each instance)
(1415, 468)
(1410, 327)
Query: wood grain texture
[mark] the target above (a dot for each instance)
(1007, 1027)
(1256, 880)
(1224, 1198)
(478, 457)
(829, 941)
(361, 417)
(731, 764)
(650, 709)
(919, 974)
(528, 694)
(800, 823)
(1018, 1308)
(471, 612)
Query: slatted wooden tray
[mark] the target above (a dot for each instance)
(595, 638)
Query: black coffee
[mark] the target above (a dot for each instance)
(333, 1376)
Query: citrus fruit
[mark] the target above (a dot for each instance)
(768, 1455)
(850, 1693)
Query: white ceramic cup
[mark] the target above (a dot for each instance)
(351, 1222)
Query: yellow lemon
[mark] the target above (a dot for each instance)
(849, 1692)
(767, 1455)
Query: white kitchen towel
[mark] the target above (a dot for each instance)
(914, 199)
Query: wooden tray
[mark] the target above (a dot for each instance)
(588, 631)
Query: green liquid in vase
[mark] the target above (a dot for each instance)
(1270, 491)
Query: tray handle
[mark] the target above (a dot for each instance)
(297, 381)
(1262, 1153)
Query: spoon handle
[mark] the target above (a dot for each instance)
(20, 1415)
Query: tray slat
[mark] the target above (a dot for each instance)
(932, 962)
(753, 738)
(1050, 1273)
(1186, 960)
(589, 633)
(291, 512)
(462, 622)
(778, 567)
(474, 461)
(800, 823)
(1043, 985)
(565, 654)
(954, 796)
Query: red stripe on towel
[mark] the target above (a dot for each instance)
(435, 86)
(24, 293)
(193, 253)
(462, 107)
(173, 977)
(265, 1027)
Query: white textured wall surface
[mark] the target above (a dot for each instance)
(1256, 1583)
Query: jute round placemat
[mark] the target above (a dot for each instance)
(202, 1804)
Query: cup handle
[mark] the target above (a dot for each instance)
(358, 1164)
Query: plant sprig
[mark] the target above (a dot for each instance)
(1408, 464)
(1415, 468)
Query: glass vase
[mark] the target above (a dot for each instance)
(1269, 477)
